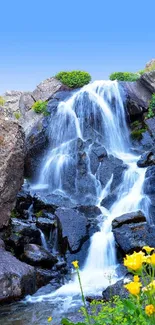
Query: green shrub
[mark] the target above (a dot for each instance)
(137, 134)
(124, 76)
(2, 101)
(17, 115)
(40, 107)
(151, 109)
(74, 79)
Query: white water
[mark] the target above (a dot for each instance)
(43, 239)
(106, 106)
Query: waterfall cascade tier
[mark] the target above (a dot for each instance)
(96, 116)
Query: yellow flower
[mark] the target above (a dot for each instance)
(133, 287)
(152, 259)
(134, 261)
(136, 278)
(148, 249)
(49, 319)
(75, 264)
(149, 310)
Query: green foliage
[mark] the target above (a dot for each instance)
(137, 134)
(17, 115)
(151, 110)
(74, 79)
(13, 214)
(2, 101)
(39, 214)
(141, 72)
(124, 76)
(40, 107)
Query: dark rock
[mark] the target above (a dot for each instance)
(109, 200)
(150, 123)
(38, 256)
(46, 224)
(137, 98)
(132, 237)
(148, 80)
(73, 227)
(11, 167)
(147, 159)
(111, 165)
(116, 289)
(43, 277)
(132, 217)
(20, 234)
(16, 278)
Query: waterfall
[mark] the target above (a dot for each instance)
(102, 104)
(43, 239)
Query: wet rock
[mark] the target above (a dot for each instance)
(127, 218)
(43, 276)
(150, 123)
(38, 256)
(148, 80)
(111, 165)
(108, 201)
(73, 228)
(16, 278)
(11, 167)
(147, 159)
(46, 224)
(149, 190)
(137, 98)
(132, 237)
(116, 289)
(20, 234)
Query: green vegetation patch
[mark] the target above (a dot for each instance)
(2, 101)
(40, 107)
(137, 134)
(74, 79)
(17, 115)
(124, 76)
(151, 109)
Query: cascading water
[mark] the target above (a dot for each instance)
(98, 107)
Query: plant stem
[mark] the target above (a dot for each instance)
(83, 298)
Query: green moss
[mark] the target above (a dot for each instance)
(17, 115)
(137, 134)
(151, 109)
(124, 76)
(136, 124)
(2, 101)
(40, 107)
(13, 214)
(39, 214)
(74, 79)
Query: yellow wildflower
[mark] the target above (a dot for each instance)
(133, 287)
(136, 278)
(149, 310)
(152, 258)
(75, 264)
(148, 249)
(49, 319)
(134, 261)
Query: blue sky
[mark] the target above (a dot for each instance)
(40, 38)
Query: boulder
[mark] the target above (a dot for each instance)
(150, 123)
(17, 279)
(147, 159)
(46, 224)
(137, 98)
(11, 104)
(11, 167)
(25, 103)
(149, 190)
(148, 80)
(132, 237)
(38, 256)
(132, 217)
(47, 88)
(116, 289)
(73, 229)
